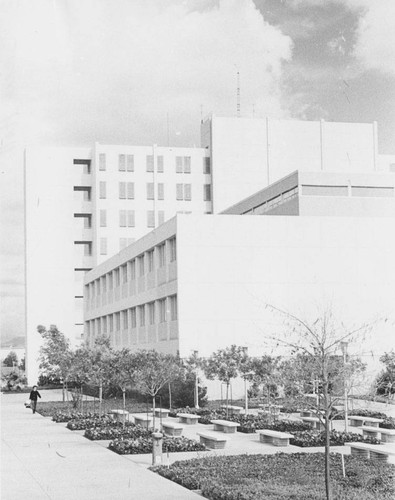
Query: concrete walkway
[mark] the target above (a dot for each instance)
(43, 460)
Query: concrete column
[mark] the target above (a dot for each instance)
(157, 442)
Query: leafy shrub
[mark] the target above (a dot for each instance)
(388, 423)
(130, 431)
(310, 438)
(368, 413)
(86, 423)
(299, 476)
(143, 444)
(65, 416)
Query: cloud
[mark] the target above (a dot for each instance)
(85, 71)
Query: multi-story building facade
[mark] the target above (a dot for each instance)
(83, 205)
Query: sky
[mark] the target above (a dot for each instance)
(145, 71)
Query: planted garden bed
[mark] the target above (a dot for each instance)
(142, 444)
(299, 476)
(130, 431)
(81, 424)
(306, 439)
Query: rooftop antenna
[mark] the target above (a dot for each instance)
(238, 95)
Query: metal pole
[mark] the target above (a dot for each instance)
(344, 346)
(246, 396)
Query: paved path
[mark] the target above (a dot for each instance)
(43, 460)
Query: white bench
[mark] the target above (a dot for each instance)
(212, 441)
(372, 452)
(387, 435)
(172, 429)
(161, 412)
(225, 426)
(306, 413)
(357, 421)
(274, 437)
(232, 409)
(315, 422)
(188, 418)
(119, 415)
(143, 420)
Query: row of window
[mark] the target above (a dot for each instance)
(273, 202)
(127, 218)
(363, 191)
(151, 313)
(126, 191)
(139, 266)
(126, 163)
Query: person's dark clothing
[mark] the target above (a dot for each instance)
(33, 398)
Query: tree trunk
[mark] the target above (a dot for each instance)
(327, 441)
(170, 402)
(153, 412)
(100, 396)
(63, 391)
(227, 398)
(196, 391)
(124, 404)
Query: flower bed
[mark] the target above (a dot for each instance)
(86, 423)
(117, 431)
(388, 423)
(144, 445)
(299, 476)
(66, 416)
(311, 438)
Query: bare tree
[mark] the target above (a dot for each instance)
(315, 344)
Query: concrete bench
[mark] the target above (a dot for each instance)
(274, 437)
(372, 452)
(314, 422)
(161, 412)
(212, 441)
(232, 409)
(356, 421)
(306, 413)
(387, 435)
(120, 415)
(143, 420)
(188, 418)
(225, 426)
(172, 429)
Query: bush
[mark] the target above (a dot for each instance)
(111, 431)
(388, 423)
(299, 476)
(183, 393)
(311, 438)
(144, 445)
(65, 416)
(86, 423)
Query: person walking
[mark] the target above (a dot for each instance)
(34, 394)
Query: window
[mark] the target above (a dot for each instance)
(122, 190)
(141, 265)
(173, 307)
(160, 165)
(150, 218)
(84, 247)
(150, 191)
(142, 315)
(374, 191)
(117, 321)
(151, 313)
(162, 310)
(187, 192)
(161, 255)
(102, 161)
(183, 164)
(207, 192)
(97, 284)
(98, 323)
(84, 220)
(110, 322)
(161, 191)
(324, 190)
(124, 270)
(85, 166)
(110, 281)
(122, 218)
(130, 189)
(125, 322)
(104, 283)
(104, 324)
(150, 259)
(173, 250)
(161, 217)
(102, 190)
(117, 278)
(207, 165)
(179, 191)
(122, 163)
(133, 322)
(130, 163)
(82, 193)
(103, 218)
(103, 246)
(132, 268)
(131, 218)
(150, 163)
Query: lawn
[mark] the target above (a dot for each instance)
(298, 476)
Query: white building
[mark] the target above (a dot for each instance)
(83, 205)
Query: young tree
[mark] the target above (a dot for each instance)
(11, 360)
(315, 345)
(55, 354)
(122, 370)
(193, 363)
(385, 381)
(153, 371)
(264, 372)
(224, 365)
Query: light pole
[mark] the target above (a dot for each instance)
(196, 353)
(344, 346)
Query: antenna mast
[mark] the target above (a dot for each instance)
(238, 95)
